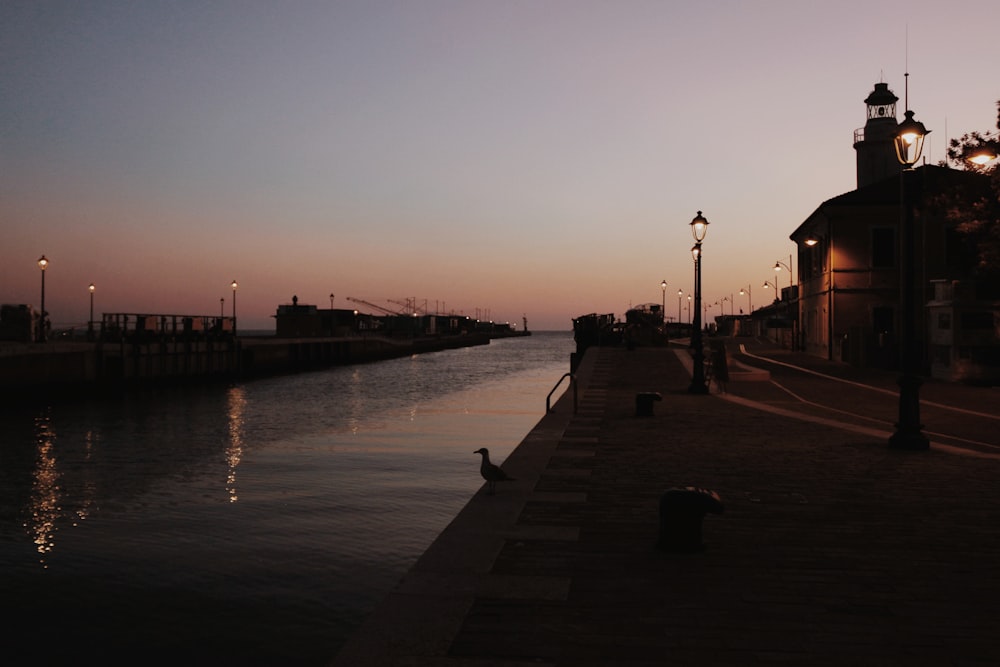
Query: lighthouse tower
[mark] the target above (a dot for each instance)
(874, 142)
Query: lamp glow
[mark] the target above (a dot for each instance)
(699, 227)
(909, 140)
(983, 157)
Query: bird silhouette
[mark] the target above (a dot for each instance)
(490, 472)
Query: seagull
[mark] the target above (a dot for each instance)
(491, 473)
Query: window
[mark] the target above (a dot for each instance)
(883, 247)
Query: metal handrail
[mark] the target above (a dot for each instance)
(548, 406)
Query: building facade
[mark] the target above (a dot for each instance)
(849, 267)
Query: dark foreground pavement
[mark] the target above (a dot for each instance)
(832, 550)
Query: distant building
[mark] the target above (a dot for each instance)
(18, 322)
(297, 320)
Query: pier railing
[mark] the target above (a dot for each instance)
(572, 381)
(131, 326)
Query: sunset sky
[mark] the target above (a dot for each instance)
(539, 158)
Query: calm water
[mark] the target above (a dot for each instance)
(251, 524)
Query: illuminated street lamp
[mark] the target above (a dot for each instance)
(788, 267)
(689, 309)
(987, 151)
(746, 290)
(699, 227)
(909, 142)
(234, 286)
(680, 293)
(791, 283)
(90, 323)
(663, 308)
(769, 285)
(43, 264)
(983, 156)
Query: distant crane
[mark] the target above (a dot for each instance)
(385, 311)
(410, 306)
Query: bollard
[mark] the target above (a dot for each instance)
(681, 513)
(644, 403)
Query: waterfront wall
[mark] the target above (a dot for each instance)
(51, 367)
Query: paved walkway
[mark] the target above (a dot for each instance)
(832, 550)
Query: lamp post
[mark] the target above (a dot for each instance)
(680, 293)
(663, 308)
(909, 142)
(90, 322)
(689, 309)
(788, 267)
(768, 284)
(222, 309)
(234, 286)
(746, 290)
(43, 264)
(791, 282)
(331, 300)
(699, 227)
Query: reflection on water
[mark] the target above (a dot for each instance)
(334, 483)
(234, 447)
(44, 504)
